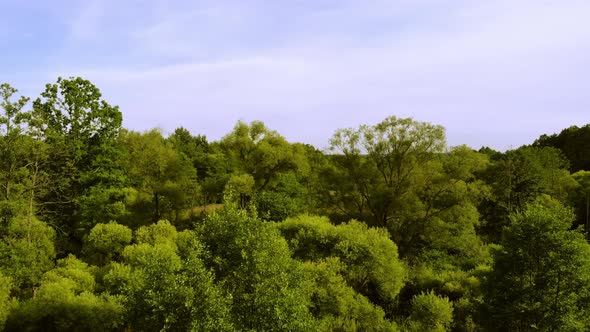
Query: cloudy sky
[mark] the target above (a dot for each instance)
(496, 73)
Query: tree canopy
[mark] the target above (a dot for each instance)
(389, 229)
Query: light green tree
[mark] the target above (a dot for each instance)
(430, 312)
(106, 242)
(5, 303)
(262, 153)
(339, 307)
(253, 263)
(66, 301)
(369, 257)
(26, 252)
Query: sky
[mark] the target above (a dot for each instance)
(493, 73)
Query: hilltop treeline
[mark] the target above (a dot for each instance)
(391, 229)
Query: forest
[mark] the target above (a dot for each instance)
(389, 229)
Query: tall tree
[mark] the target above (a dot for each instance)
(13, 148)
(380, 161)
(80, 129)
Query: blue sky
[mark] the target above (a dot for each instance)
(496, 73)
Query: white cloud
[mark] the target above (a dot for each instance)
(494, 73)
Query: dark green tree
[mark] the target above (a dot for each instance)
(583, 180)
(517, 178)
(541, 274)
(574, 142)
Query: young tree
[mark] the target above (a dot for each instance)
(167, 291)
(26, 253)
(106, 242)
(66, 301)
(430, 312)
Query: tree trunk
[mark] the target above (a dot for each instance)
(157, 203)
(31, 200)
(587, 210)
(8, 189)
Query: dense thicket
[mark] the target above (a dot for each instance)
(390, 229)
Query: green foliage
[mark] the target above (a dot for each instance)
(286, 199)
(65, 302)
(394, 148)
(541, 274)
(573, 143)
(276, 206)
(253, 262)
(442, 215)
(72, 181)
(430, 312)
(582, 201)
(5, 286)
(336, 305)
(14, 146)
(369, 258)
(26, 253)
(395, 175)
(80, 129)
(105, 242)
(161, 232)
(518, 178)
(263, 153)
(161, 173)
(239, 190)
(101, 205)
(163, 291)
(462, 288)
